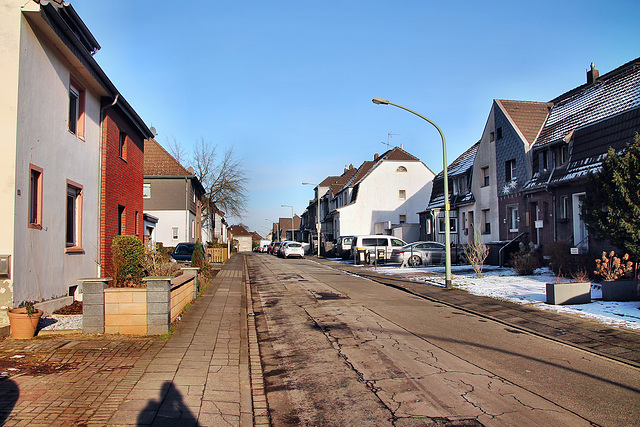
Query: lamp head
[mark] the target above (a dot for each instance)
(380, 101)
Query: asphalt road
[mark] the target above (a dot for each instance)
(342, 350)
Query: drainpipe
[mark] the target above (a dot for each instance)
(101, 152)
(186, 208)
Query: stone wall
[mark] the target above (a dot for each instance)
(137, 311)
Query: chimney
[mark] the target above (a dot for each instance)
(592, 74)
(375, 156)
(350, 165)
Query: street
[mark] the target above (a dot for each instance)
(338, 349)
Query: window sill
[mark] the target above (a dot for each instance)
(513, 230)
(35, 226)
(123, 159)
(74, 250)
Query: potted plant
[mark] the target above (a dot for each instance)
(24, 321)
(576, 292)
(612, 269)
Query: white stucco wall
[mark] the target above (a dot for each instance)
(169, 219)
(42, 270)
(9, 70)
(378, 200)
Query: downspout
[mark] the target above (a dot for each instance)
(101, 153)
(186, 208)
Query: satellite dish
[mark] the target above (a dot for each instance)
(153, 131)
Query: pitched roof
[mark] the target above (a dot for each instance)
(458, 167)
(239, 230)
(610, 94)
(158, 162)
(527, 116)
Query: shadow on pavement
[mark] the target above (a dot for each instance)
(169, 409)
(9, 393)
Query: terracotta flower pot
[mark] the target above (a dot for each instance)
(23, 326)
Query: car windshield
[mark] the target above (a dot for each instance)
(183, 250)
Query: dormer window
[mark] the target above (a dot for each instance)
(401, 169)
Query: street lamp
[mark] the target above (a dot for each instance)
(292, 232)
(447, 207)
(318, 216)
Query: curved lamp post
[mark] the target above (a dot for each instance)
(318, 216)
(293, 237)
(447, 207)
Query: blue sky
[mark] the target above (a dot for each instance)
(289, 83)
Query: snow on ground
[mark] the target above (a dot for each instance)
(504, 283)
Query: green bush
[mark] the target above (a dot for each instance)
(128, 261)
(197, 256)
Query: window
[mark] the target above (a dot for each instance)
(510, 170)
(452, 225)
(121, 221)
(137, 223)
(401, 169)
(459, 185)
(76, 107)
(146, 191)
(122, 150)
(563, 155)
(174, 233)
(74, 217)
(512, 218)
(564, 207)
(499, 133)
(35, 197)
(403, 219)
(402, 194)
(486, 221)
(542, 161)
(485, 176)
(492, 136)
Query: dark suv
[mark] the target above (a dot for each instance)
(183, 252)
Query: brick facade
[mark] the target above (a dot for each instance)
(121, 184)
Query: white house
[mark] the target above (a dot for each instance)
(50, 114)
(384, 197)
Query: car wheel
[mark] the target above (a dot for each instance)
(415, 261)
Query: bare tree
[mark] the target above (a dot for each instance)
(176, 149)
(223, 179)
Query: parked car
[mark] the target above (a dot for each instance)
(423, 253)
(282, 246)
(343, 247)
(183, 252)
(274, 248)
(368, 245)
(291, 249)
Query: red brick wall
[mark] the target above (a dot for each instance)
(121, 183)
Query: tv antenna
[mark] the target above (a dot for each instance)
(388, 143)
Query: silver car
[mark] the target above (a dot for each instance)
(421, 253)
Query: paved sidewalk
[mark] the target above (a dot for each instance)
(618, 343)
(207, 374)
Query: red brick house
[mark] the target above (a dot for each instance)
(121, 202)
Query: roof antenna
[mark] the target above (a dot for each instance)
(388, 143)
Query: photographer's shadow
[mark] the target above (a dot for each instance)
(169, 409)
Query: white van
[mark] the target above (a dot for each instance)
(379, 246)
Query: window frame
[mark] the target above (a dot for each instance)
(402, 219)
(74, 245)
(513, 218)
(122, 145)
(35, 198)
(175, 233)
(486, 221)
(76, 116)
(510, 170)
(146, 194)
(402, 194)
(485, 176)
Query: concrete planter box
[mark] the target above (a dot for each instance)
(620, 290)
(569, 293)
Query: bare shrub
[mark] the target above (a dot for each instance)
(476, 253)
